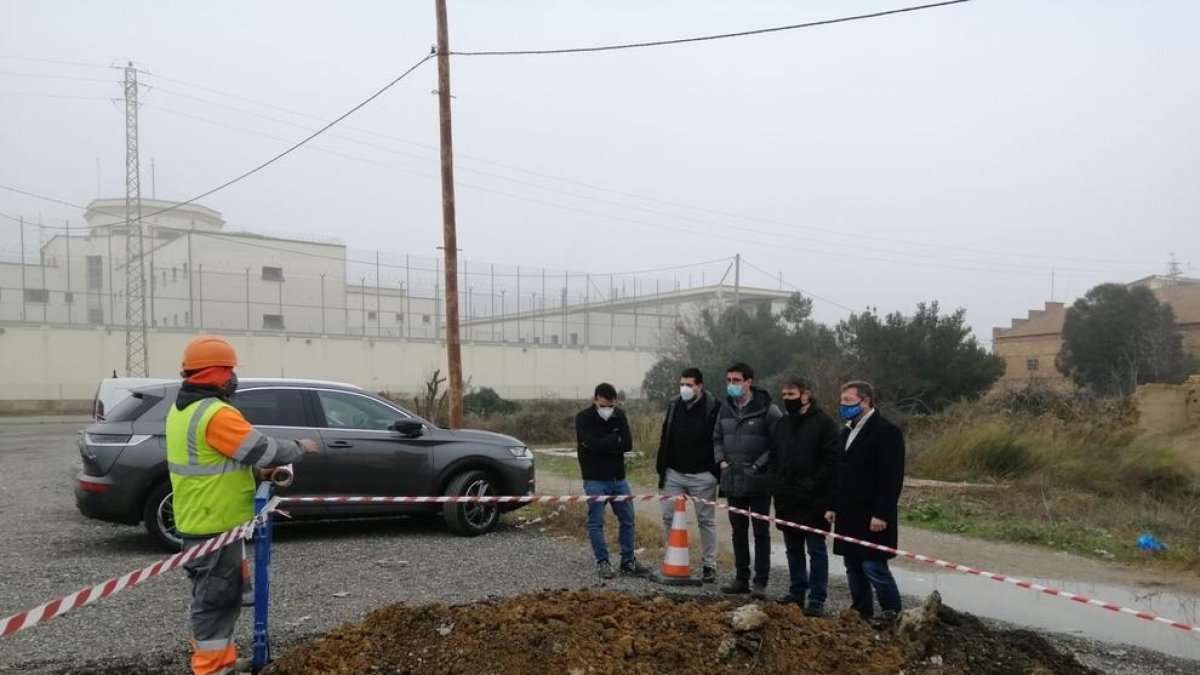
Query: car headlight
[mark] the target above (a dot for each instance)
(520, 452)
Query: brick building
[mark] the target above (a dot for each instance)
(1030, 345)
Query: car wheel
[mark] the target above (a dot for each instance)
(159, 516)
(471, 519)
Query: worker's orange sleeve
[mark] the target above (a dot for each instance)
(227, 431)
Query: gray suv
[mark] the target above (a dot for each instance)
(369, 447)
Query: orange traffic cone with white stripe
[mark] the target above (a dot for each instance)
(676, 569)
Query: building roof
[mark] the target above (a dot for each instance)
(1181, 293)
(683, 296)
(1039, 322)
(1184, 298)
(115, 208)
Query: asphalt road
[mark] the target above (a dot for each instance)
(324, 573)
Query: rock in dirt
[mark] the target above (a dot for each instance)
(747, 617)
(942, 641)
(601, 633)
(914, 627)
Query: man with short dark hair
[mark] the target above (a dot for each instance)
(805, 456)
(741, 447)
(602, 436)
(685, 461)
(870, 477)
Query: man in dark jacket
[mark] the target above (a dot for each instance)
(805, 456)
(870, 477)
(603, 437)
(685, 461)
(741, 446)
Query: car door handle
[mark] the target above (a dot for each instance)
(340, 444)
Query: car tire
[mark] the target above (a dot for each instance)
(159, 519)
(471, 519)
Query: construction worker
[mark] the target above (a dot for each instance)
(212, 452)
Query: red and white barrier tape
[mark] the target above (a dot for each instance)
(1023, 583)
(54, 608)
(86, 596)
(452, 499)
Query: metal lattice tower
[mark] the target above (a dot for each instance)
(135, 272)
(1174, 269)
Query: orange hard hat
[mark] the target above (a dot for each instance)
(207, 351)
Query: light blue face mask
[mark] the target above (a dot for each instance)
(735, 391)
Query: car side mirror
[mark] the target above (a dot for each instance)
(410, 428)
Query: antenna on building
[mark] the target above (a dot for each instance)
(1173, 267)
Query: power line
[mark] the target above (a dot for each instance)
(811, 241)
(242, 239)
(857, 254)
(297, 145)
(58, 77)
(13, 57)
(41, 95)
(808, 293)
(567, 193)
(707, 38)
(590, 186)
(41, 197)
(594, 187)
(261, 166)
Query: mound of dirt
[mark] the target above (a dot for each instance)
(586, 632)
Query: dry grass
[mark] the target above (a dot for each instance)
(1078, 476)
(1077, 481)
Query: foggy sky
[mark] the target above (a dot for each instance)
(957, 154)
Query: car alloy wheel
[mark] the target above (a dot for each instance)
(479, 515)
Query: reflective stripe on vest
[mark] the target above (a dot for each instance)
(212, 493)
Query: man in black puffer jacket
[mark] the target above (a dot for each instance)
(805, 457)
(741, 447)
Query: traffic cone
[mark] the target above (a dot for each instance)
(676, 569)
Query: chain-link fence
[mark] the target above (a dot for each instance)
(221, 281)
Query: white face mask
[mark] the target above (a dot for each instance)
(605, 413)
(686, 393)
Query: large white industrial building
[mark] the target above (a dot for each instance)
(385, 310)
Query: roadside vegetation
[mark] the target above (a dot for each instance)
(1062, 469)
(1059, 470)
(1069, 472)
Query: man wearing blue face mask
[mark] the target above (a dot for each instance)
(742, 449)
(602, 436)
(870, 477)
(685, 461)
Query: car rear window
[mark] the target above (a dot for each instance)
(133, 407)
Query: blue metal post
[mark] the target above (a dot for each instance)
(262, 579)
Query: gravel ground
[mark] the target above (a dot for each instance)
(324, 574)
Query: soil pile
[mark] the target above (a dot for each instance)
(586, 632)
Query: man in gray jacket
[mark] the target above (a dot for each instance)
(741, 447)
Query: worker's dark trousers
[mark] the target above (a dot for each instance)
(216, 604)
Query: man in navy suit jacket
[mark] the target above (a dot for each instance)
(870, 476)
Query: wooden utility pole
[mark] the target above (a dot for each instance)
(449, 234)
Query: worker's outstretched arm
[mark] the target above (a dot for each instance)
(231, 435)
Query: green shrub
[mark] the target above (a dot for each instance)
(1157, 472)
(983, 450)
(1003, 457)
(487, 402)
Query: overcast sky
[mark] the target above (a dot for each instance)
(956, 154)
